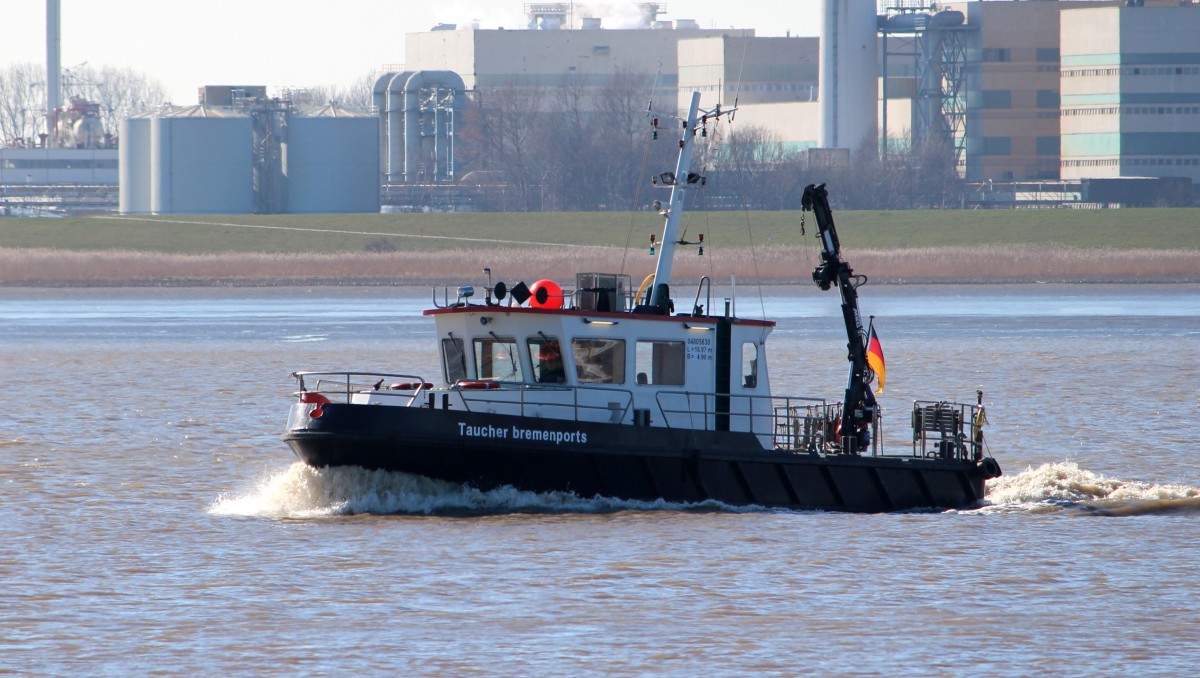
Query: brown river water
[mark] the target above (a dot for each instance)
(151, 521)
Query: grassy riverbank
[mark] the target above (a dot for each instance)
(207, 234)
(1144, 245)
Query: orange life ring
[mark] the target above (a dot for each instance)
(547, 294)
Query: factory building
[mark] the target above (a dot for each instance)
(1012, 90)
(1131, 92)
(1004, 85)
(1054, 90)
(773, 80)
(559, 50)
(1020, 91)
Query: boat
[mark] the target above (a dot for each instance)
(604, 390)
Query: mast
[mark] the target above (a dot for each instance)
(858, 408)
(661, 297)
(679, 182)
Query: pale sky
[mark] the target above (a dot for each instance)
(299, 43)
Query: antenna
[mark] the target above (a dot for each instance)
(679, 181)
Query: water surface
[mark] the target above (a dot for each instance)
(152, 520)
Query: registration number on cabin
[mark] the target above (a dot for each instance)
(699, 348)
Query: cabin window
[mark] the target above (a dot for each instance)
(545, 354)
(454, 360)
(498, 359)
(660, 362)
(749, 365)
(599, 361)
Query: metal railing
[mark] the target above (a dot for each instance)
(347, 384)
(939, 430)
(789, 420)
(791, 423)
(808, 428)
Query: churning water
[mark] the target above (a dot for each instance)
(152, 521)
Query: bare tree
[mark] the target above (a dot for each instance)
(908, 178)
(623, 161)
(356, 96)
(938, 184)
(121, 92)
(22, 103)
(507, 137)
(566, 183)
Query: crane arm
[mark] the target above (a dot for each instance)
(859, 407)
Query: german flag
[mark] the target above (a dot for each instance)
(875, 357)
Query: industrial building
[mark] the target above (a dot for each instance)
(1057, 91)
(74, 150)
(1131, 92)
(774, 81)
(982, 76)
(559, 49)
(242, 153)
(1050, 92)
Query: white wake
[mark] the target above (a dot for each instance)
(1065, 485)
(302, 491)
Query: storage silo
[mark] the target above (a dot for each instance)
(331, 163)
(849, 79)
(201, 164)
(135, 166)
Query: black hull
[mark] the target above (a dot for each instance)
(621, 461)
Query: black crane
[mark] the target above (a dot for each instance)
(859, 407)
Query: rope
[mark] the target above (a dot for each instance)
(746, 214)
(633, 212)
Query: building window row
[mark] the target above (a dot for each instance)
(1097, 110)
(997, 54)
(1161, 110)
(1158, 162)
(1162, 70)
(1132, 110)
(753, 87)
(1107, 162)
(1133, 162)
(1090, 72)
(1131, 70)
(775, 87)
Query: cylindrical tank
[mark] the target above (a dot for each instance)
(134, 172)
(332, 165)
(87, 132)
(848, 73)
(201, 165)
